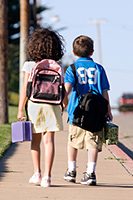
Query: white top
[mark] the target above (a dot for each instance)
(27, 66)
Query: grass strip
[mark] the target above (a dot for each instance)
(5, 131)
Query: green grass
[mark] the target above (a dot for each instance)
(5, 130)
(12, 113)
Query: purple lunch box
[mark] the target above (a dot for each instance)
(21, 131)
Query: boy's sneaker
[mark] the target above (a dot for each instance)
(70, 176)
(89, 179)
(46, 181)
(35, 179)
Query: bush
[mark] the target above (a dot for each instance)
(13, 98)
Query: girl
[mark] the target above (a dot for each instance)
(44, 43)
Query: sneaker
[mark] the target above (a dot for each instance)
(70, 176)
(89, 179)
(35, 179)
(46, 181)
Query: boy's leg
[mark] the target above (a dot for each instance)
(94, 145)
(75, 142)
(72, 156)
(92, 159)
(70, 174)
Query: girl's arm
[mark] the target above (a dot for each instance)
(22, 98)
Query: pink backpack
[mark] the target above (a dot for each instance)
(46, 83)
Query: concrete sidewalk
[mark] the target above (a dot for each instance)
(113, 180)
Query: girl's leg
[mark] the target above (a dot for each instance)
(49, 150)
(35, 151)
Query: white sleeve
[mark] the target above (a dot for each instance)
(27, 66)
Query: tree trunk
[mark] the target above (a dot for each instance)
(3, 62)
(24, 32)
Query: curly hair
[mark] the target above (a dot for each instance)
(44, 43)
(83, 46)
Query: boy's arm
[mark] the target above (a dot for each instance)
(68, 88)
(106, 96)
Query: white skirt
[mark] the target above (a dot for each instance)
(45, 117)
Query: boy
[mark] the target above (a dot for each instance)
(90, 75)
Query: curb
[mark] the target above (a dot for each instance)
(122, 157)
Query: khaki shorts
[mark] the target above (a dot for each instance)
(80, 138)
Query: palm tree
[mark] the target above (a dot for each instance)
(3, 62)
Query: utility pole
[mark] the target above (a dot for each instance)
(24, 32)
(97, 23)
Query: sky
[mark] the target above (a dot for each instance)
(113, 41)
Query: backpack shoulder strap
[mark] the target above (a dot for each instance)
(73, 70)
(76, 79)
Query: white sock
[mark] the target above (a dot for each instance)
(71, 166)
(37, 173)
(91, 167)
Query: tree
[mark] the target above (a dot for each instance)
(13, 21)
(3, 62)
(14, 18)
(13, 45)
(14, 36)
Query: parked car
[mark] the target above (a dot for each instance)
(126, 102)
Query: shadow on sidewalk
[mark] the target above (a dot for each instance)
(3, 160)
(128, 151)
(105, 185)
(99, 185)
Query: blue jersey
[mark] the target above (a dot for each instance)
(90, 75)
